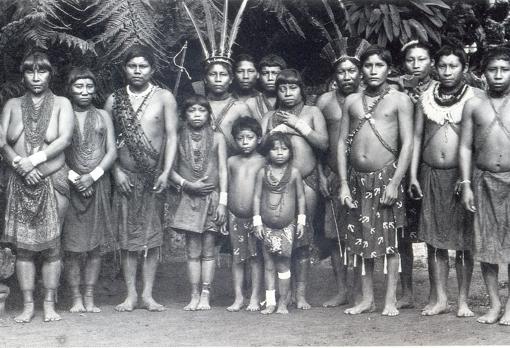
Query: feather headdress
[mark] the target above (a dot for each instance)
(339, 47)
(222, 50)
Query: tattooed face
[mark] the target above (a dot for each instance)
(37, 80)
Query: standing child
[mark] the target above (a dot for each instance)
(242, 172)
(279, 194)
(200, 170)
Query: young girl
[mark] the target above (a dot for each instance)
(279, 194)
(200, 171)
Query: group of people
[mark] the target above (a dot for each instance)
(255, 164)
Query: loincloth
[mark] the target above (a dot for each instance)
(279, 241)
(196, 213)
(137, 217)
(413, 209)
(88, 223)
(372, 227)
(335, 214)
(492, 219)
(312, 179)
(244, 242)
(444, 223)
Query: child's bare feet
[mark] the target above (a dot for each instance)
(203, 304)
(49, 312)
(237, 305)
(127, 306)
(301, 302)
(269, 309)
(254, 305)
(406, 301)
(464, 311)
(505, 319)
(362, 307)
(27, 315)
(282, 307)
(439, 308)
(193, 304)
(77, 306)
(491, 316)
(151, 305)
(90, 307)
(390, 310)
(337, 300)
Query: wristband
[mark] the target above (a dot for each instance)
(223, 198)
(181, 183)
(38, 158)
(72, 176)
(465, 182)
(96, 173)
(303, 128)
(301, 219)
(15, 161)
(257, 220)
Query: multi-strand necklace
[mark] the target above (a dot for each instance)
(36, 119)
(86, 142)
(277, 187)
(450, 98)
(196, 147)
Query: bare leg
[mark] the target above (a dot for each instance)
(440, 270)
(256, 280)
(490, 276)
(51, 277)
(92, 269)
(367, 303)
(464, 269)
(25, 271)
(505, 319)
(208, 268)
(357, 293)
(406, 277)
(150, 266)
(73, 280)
(129, 265)
(340, 272)
(283, 269)
(432, 282)
(390, 302)
(302, 266)
(194, 252)
(269, 277)
(238, 279)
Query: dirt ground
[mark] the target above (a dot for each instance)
(218, 327)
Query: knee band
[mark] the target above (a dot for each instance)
(284, 275)
(270, 298)
(208, 258)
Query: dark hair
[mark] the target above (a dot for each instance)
(246, 123)
(227, 66)
(272, 60)
(457, 51)
(353, 60)
(245, 58)
(290, 76)
(79, 72)
(272, 138)
(418, 44)
(139, 51)
(36, 59)
(493, 54)
(195, 99)
(381, 52)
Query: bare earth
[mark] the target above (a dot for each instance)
(218, 327)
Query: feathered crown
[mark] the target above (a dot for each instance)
(341, 47)
(222, 51)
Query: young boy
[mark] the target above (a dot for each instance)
(242, 171)
(279, 194)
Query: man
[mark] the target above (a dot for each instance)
(145, 121)
(444, 225)
(246, 76)
(347, 77)
(485, 129)
(269, 68)
(37, 127)
(376, 121)
(307, 129)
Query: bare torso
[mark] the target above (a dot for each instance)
(225, 112)
(258, 107)
(329, 104)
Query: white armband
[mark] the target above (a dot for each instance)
(257, 220)
(223, 198)
(15, 161)
(303, 128)
(301, 219)
(38, 158)
(96, 173)
(73, 176)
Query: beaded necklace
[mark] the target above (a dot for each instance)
(36, 119)
(85, 143)
(277, 187)
(196, 147)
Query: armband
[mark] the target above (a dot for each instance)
(301, 219)
(303, 128)
(15, 161)
(38, 158)
(257, 220)
(97, 173)
(223, 198)
(73, 176)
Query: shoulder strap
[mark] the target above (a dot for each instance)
(217, 120)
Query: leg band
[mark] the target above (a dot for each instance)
(270, 298)
(284, 275)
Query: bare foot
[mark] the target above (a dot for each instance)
(335, 301)
(203, 304)
(254, 305)
(27, 315)
(490, 317)
(438, 308)
(429, 306)
(193, 304)
(49, 312)
(90, 307)
(505, 319)
(390, 310)
(237, 305)
(149, 304)
(269, 309)
(301, 303)
(362, 307)
(464, 311)
(77, 306)
(282, 308)
(406, 301)
(127, 306)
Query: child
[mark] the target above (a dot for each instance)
(242, 171)
(279, 193)
(199, 171)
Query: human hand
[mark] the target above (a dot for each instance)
(414, 191)
(24, 166)
(199, 187)
(468, 199)
(300, 231)
(161, 183)
(83, 182)
(324, 186)
(33, 177)
(259, 232)
(122, 181)
(88, 192)
(283, 129)
(288, 118)
(221, 215)
(390, 194)
(345, 197)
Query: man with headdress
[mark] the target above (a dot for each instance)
(269, 68)
(343, 54)
(145, 122)
(37, 127)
